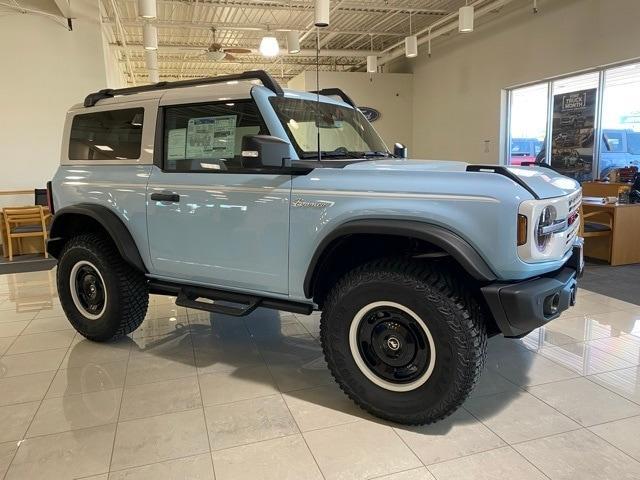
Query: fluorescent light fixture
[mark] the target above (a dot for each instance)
(147, 8)
(465, 19)
(411, 46)
(104, 148)
(322, 13)
(372, 63)
(269, 46)
(293, 42)
(150, 36)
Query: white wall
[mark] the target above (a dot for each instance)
(389, 93)
(45, 70)
(457, 92)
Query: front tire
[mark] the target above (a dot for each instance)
(403, 340)
(103, 297)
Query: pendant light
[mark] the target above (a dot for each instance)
(410, 43)
(269, 45)
(147, 8)
(465, 19)
(372, 60)
(322, 13)
(150, 36)
(293, 42)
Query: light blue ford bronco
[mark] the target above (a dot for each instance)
(231, 193)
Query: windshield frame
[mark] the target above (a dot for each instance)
(340, 155)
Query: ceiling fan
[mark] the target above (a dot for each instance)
(216, 52)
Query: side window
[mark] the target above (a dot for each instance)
(208, 137)
(107, 135)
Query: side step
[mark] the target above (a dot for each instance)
(190, 296)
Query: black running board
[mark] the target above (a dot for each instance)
(235, 304)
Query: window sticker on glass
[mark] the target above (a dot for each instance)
(177, 143)
(211, 137)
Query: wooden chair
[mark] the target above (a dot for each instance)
(23, 222)
(602, 228)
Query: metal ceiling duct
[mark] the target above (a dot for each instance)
(150, 36)
(147, 8)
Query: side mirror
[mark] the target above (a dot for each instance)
(399, 150)
(265, 151)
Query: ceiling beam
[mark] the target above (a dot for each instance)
(185, 49)
(352, 6)
(257, 27)
(64, 7)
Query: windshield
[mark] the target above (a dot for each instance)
(343, 131)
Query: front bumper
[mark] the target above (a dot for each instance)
(521, 307)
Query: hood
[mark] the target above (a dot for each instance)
(546, 183)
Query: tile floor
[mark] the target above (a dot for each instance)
(190, 396)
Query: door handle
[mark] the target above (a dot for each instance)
(165, 197)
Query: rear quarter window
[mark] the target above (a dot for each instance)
(107, 135)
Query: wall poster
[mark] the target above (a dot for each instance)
(572, 133)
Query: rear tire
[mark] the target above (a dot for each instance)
(103, 297)
(403, 340)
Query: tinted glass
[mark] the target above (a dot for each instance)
(108, 135)
(208, 137)
(342, 130)
(633, 143)
(613, 141)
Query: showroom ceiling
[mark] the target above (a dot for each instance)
(184, 33)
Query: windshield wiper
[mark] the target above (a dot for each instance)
(331, 154)
(375, 154)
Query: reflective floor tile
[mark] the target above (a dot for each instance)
(224, 353)
(92, 377)
(523, 367)
(26, 363)
(163, 437)
(83, 352)
(24, 388)
(543, 337)
(584, 359)
(286, 458)
(5, 343)
(585, 402)
(310, 322)
(12, 329)
(49, 324)
(13, 316)
(616, 323)
(503, 463)
(248, 421)
(491, 383)
(323, 406)
(164, 326)
(149, 369)
(64, 455)
(625, 382)
(54, 310)
(455, 436)
(160, 397)
(283, 326)
(413, 474)
(41, 341)
(359, 450)
(74, 412)
(625, 346)
(15, 419)
(7, 451)
(579, 455)
(518, 416)
(198, 467)
(580, 328)
(241, 384)
(622, 434)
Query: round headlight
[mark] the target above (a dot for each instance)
(546, 219)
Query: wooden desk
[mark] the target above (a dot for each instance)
(604, 189)
(25, 245)
(625, 247)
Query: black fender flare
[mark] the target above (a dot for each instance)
(65, 221)
(448, 241)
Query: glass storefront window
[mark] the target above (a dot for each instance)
(528, 125)
(620, 146)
